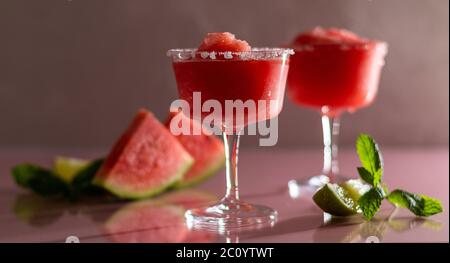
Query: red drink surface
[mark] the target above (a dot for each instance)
(253, 79)
(222, 42)
(335, 68)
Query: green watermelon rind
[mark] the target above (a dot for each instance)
(141, 195)
(209, 172)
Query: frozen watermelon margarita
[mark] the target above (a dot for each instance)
(333, 71)
(222, 72)
(227, 70)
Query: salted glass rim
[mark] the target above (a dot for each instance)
(377, 44)
(254, 53)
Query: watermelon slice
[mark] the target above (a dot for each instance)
(145, 160)
(207, 151)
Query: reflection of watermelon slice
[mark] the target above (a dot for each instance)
(188, 198)
(147, 222)
(144, 161)
(207, 151)
(159, 220)
(199, 236)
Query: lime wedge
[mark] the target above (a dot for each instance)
(66, 168)
(335, 200)
(355, 188)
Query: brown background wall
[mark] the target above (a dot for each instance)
(72, 73)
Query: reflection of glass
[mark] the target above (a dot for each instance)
(357, 229)
(334, 78)
(255, 76)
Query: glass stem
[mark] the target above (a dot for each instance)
(231, 142)
(330, 127)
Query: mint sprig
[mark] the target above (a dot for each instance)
(372, 171)
(46, 182)
(40, 180)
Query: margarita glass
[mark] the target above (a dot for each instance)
(333, 71)
(258, 74)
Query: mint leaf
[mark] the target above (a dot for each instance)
(365, 175)
(372, 179)
(40, 180)
(371, 159)
(420, 205)
(82, 181)
(370, 202)
(377, 178)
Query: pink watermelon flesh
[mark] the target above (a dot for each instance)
(222, 42)
(207, 150)
(145, 160)
(159, 220)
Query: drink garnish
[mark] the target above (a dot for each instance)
(366, 196)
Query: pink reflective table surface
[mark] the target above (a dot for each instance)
(264, 174)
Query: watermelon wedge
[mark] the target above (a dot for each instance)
(145, 160)
(207, 151)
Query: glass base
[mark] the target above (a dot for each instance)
(231, 215)
(301, 187)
